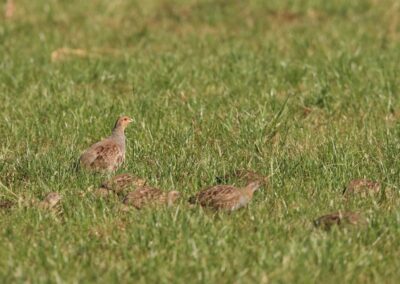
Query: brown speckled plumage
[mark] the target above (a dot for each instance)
(225, 197)
(145, 196)
(120, 183)
(50, 201)
(362, 187)
(342, 219)
(108, 154)
(6, 204)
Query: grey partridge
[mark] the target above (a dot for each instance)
(225, 197)
(146, 196)
(6, 204)
(362, 187)
(107, 155)
(119, 184)
(341, 219)
(50, 201)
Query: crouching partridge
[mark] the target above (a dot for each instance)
(50, 201)
(225, 197)
(145, 196)
(107, 155)
(362, 187)
(341, 219)
(120, 184)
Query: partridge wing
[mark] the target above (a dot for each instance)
(215, 195)
(118, 182)
(143, 196)
(108, 157)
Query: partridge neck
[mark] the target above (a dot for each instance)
(118, 132)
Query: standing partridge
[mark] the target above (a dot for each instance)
(225, 197)
(107, 155)
(145, 195)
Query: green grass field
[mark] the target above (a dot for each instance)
(305, 91)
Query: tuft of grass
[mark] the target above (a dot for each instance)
(305, 92)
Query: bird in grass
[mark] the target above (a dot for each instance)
(342, 219)
(147, 196)
(362, 187)
(119, 184)
(50, 201)
(6, 204)
(107, 155)
(9, 9)
(225, 197)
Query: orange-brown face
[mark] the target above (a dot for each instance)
(123, 121)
